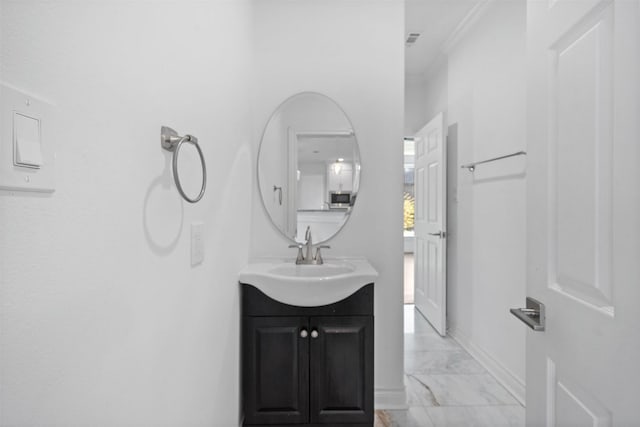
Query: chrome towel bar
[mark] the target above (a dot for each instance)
(472, 166)
(171, 141)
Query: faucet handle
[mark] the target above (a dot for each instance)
(300, 257)
(318, 258)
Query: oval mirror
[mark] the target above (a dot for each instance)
(309, 167)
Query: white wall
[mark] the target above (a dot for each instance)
(103, 320)
(487, 217)
(312, 186)
(436, 90)
(353, 53)
(425, 96)
(415, 98)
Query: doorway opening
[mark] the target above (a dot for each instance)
(409, 216)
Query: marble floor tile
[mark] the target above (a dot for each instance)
(511, 415)
(418, 393)
(429, 343)
(413, 417)
(446, 386)
(463, 389)
(381, 419)
(441, 362)
(451, 416)
(479, 416)
(416, 324)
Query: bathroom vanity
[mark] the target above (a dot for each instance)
(307, 322)
(307, 365)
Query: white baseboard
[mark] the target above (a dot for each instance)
(385, 398)
(512, 383)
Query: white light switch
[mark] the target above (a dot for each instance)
(197, 243)
(29, 128)
(26, 139)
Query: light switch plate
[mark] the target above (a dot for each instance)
(15, 106)
(197, 243)
(27, 149)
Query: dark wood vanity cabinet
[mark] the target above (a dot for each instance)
(307, 366)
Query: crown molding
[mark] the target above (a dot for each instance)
(467, 23)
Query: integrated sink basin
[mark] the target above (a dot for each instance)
(326, 271)
(308, 285)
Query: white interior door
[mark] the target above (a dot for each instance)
(584, 212)
(430, 224)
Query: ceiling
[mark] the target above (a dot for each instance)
(435, 20)
(325, 149)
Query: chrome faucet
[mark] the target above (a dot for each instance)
(308, 242)
(308, 259)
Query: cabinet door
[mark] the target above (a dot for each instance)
(275, 370)
(341, 384)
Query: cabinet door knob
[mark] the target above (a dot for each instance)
(314, 334)
(304, 333)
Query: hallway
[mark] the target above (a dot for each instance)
(446, 386)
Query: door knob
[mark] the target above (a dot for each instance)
(304, 333)
(314, 334)
(441, 234)
(533, 315)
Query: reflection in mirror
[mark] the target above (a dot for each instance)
(309, 167)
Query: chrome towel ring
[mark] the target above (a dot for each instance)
(171, 141)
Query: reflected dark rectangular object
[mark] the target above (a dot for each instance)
(340, 199)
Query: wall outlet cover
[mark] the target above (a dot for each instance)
(197, 243)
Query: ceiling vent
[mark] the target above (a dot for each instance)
(412, 39)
